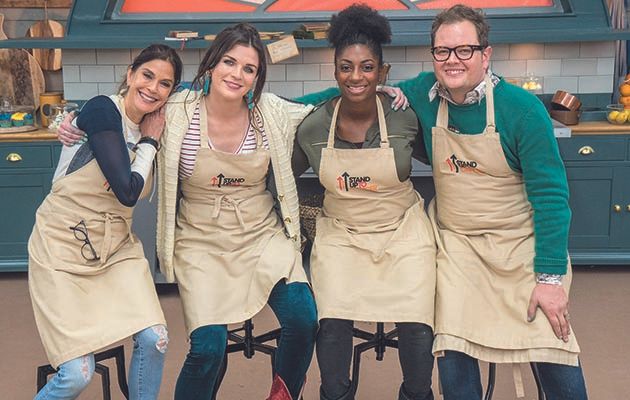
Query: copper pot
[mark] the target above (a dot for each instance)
(567, 117)
(565, 101)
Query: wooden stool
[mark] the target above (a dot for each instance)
(118, 353)
(492, 374)
(378, 341)
(249, 345)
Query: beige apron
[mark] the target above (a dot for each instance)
(374, 253)
(484, 229)
(230, 245)
(82, 306)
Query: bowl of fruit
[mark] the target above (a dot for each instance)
(617, 114)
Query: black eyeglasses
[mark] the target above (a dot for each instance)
(81, 233)
(463, 52)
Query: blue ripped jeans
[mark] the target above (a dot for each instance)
(294, 307)
(460, 379)
(145, 370)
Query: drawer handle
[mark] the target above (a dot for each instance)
(617, 208)
(586, 150)
(14, 157)
(628, 207)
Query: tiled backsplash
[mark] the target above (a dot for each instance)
(585, 67)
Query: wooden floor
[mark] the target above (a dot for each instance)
(600, 311)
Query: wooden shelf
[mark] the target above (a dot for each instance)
(36, 3)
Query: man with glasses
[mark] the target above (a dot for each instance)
(501, 217)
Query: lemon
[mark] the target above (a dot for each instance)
(612, 116)
(622, 117)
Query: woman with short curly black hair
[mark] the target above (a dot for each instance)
(373, 258)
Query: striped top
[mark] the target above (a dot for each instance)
(192, 142)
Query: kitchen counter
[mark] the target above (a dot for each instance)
(583, 128)
(32, 136)
(599, 128)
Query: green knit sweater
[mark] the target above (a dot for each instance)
(529, 146)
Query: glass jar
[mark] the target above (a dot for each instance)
(58, 112)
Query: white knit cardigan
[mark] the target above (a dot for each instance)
(281, 119)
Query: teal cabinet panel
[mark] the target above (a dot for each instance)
(23, 155)
(591, 192)
(21, 195)
(56, 148)
(620, 219)
(589, 148)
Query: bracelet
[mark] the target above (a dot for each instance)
(550, 279)
(150, 140)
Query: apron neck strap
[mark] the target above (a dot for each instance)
(382, 126)
(442, 115)
(255, 121)
(490, 124)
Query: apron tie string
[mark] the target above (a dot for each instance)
(517, 373)
(107, 237)
(229, 201)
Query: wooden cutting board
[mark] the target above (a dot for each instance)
(21, 78)
(3, 36)
(48, 59)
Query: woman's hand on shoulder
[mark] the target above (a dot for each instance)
(400, 100)
(153, 124)
(67, 133)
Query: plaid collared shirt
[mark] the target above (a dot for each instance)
(472, 97)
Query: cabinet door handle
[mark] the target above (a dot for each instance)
(628, 207)
(617, 208)
(586, 150)
(14, 157)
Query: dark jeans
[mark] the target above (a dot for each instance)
(334, 356)
(460, 379)
(294, 307)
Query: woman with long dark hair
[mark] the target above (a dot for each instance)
(232, 240)
(89, 281)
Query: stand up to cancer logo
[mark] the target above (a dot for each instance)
(347, 182)
(456, 165)
(222, 180)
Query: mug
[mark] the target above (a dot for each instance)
(45, 101)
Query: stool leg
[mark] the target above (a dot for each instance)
(121, 372)
(379, 341)
(356, 362)
(536, 373)
(492, 374)
(42, 375)
(103, 371)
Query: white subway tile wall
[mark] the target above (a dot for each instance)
(113, 56)
(97, 73)
(579, 67)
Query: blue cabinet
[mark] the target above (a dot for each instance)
(26, 171)
(598, 171)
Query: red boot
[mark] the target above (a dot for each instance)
(279, 390)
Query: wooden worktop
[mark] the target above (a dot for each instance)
(32, 136)
(583, 128)
(599, 128)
